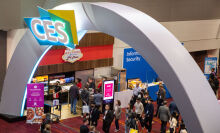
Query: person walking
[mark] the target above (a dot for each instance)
(128, 115)
(107, 119)
(74, 94)
(164, 116)
(117, 114)
(149, 114)
(85, 96)
(139, 108)
(98, 99)
(94, 115)
(161, 95)
(173, 108)
(84, 128)
(173, 123)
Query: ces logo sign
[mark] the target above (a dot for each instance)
(54, 27)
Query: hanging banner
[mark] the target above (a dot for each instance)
(210, 62)
(35, 102)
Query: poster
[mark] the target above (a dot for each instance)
(35, 102)
(210, 62)
(108, 90)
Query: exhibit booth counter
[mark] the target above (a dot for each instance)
(149, 38)
(125, 96)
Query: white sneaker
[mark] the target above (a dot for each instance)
(116, 130)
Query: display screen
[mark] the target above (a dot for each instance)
(108, 90)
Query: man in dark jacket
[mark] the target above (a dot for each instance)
(73, 93)
(149, 114)
(85, 96)
(94, 115)
(161, 95)
(107, 119)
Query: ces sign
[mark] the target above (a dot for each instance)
(54, 27)
(49, 31)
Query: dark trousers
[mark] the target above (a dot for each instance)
(163, 126)
(116, 124)
(94, 123)
(149, 123)
(171, 130)
(106, 126)
(139, 117)
(159, 103)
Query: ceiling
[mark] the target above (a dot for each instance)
(12, 12)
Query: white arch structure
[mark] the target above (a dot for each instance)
(185, 81)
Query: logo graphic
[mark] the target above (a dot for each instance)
(72, 55)
(54, 27)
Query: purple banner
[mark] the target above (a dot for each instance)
(35, 102)
(35, 95)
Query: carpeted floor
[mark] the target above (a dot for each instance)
(70, 125)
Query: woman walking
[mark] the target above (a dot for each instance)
(117, 114)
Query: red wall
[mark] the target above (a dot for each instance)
(54, 56)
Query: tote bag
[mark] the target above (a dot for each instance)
(85, 109)
(133, 130)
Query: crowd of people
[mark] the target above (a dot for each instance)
(139, 113)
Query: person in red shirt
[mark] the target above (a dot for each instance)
(101, 81)
(78, 83)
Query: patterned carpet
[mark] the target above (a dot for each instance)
(71, 125)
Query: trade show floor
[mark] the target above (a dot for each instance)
(70, 125)
(66, 112)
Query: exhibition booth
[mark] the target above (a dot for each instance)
(149, 38)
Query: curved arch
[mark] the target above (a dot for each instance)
(157, 45)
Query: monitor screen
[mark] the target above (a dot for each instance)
(108, 90)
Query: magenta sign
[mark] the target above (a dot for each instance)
(35, 102)
(35, 95)
(108, 90)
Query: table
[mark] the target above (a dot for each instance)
(48, 104)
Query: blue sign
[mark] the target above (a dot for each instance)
(137, 67)
(210, 62)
